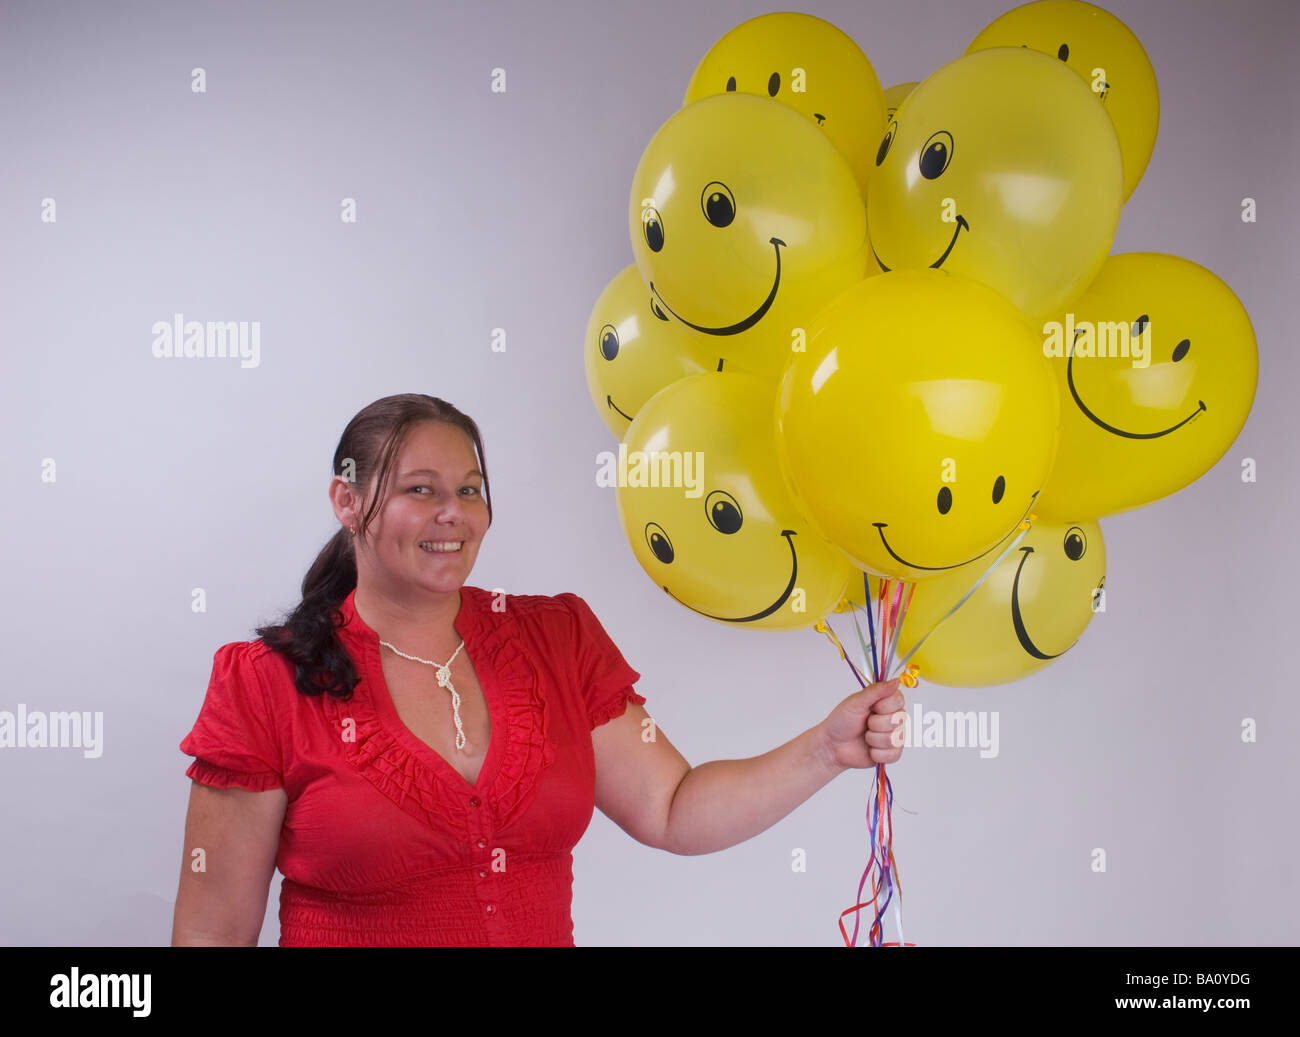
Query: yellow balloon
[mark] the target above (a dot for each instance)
(1000, 166)
(1156, 367)
(632, 350)
(894, 97)
(707, 515)
(809, 65)
(1029, 611)
(1105, 53)
(744, 220)
(920, 424)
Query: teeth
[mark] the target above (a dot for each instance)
(441, 546)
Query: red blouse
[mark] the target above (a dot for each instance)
(383, 842)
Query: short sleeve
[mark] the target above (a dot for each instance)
(234, 741)
(603, 674)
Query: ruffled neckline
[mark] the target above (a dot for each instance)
(409, 772)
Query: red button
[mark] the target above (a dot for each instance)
(473, 801)
(482, 874)
(491, 909)
(481, 843)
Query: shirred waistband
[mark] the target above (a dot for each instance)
(528, 904)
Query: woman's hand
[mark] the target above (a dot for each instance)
(863, 730)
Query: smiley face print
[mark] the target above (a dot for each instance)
(1000, 166)
(1155, 382)
(744, 220)
(632, 350)
(1026, 613)
(919, 426)
(808, 65)
(707, 515)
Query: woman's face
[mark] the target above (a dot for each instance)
(428, 530)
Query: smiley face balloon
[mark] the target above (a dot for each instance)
(632, 351)
(1156, 375)
(745, 219)
(1105, 54)
(707, 515)
(918, 427)
(1003, 167)
(812, 67)
(1026, 613)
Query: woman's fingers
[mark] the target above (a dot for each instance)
(889, 705)
(885, 722)
(886, 739)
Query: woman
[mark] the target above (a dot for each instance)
(419, 756)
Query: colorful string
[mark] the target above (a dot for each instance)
(879, 655)
(879, 816)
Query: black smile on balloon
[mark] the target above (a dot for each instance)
(1069, 377)
(785, 594)
(1022, 635)
(961, 222)
(609, 401)
(748, 322)
(880, 528)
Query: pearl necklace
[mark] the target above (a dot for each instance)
(444, 681)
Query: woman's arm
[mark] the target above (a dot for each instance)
(238, 833)
(646, 787)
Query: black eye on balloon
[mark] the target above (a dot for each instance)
(936, 155)
(1075, 543)
(1181, 349)
(884, 144)
(723, 511)
(999, 488)
(653, 228)
(731, 85)
(659, 542)
(945, 500)
(1140, 326)
(1063, 52)
(608, 342)
(718, 203)
(654, 308)
(773, 84)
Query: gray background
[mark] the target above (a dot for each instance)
(478, 211)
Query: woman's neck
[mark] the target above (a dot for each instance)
(419, 622)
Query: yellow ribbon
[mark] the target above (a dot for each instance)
(821, 627)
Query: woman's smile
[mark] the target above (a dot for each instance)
(440, 546)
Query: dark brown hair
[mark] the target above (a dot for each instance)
(308, 635)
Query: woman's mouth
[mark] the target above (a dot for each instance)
(441, 546)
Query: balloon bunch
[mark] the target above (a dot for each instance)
(872, 352)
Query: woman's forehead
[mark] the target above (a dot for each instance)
(437, 449)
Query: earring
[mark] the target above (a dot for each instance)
(352, 531)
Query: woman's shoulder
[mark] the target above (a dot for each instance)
(254, 659)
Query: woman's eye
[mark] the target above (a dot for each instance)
(471, 489)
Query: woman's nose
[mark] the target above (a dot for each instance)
(451, 509)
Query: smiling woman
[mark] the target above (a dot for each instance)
(419, 756)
